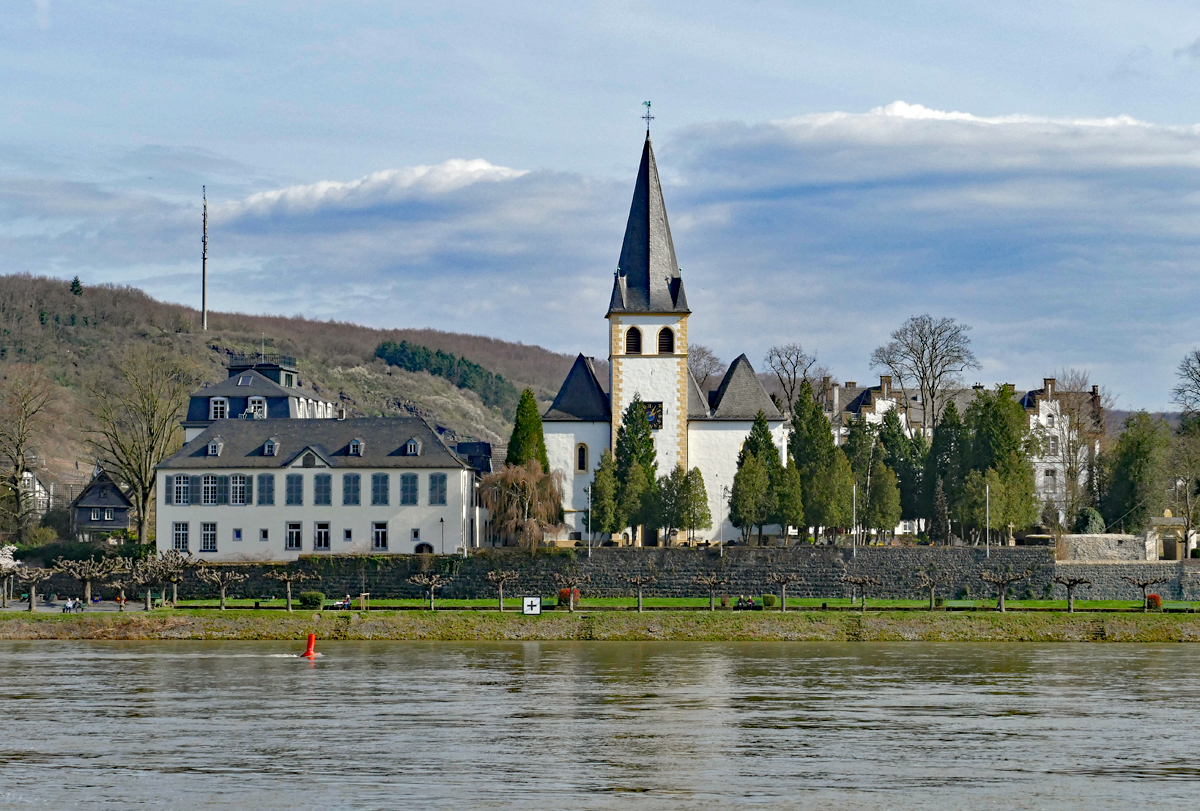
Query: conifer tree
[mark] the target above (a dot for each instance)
(789, 499)
(670, 495)
(905, 455)
(637, 465)
(527, 441)
(696, 514)
(604, 496)
(750, 502)
(632, 498)
(939, 522)
(946, 463)
(76, 287)
(883, 502)
(840, 507)
(760, 443)
(811, 447)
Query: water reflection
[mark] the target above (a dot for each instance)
(599, 725)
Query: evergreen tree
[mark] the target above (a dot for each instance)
(750, 502)
(669, 501)
(637, 465)
(696, 514)
(604, 496)
(632, 497)
(939, 521)
(811, 446)
(946, 464)
(760, 443)
(978, 488)
(883, 503)
(905, 455)
(789, 499)
(829, 500)
(1001, 440)
(76, 287)
(527, 441)
(1136, 476)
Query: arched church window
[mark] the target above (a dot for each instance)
(666, 341)
(581, 458)
(633, 341)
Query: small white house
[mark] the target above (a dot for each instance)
(272, 490)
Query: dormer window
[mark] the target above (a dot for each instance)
(413, 448)
(214, 447)
(355, 447)
(288, 380)
(245, 380)
(218, 408)
(257, 408)
(271, 447)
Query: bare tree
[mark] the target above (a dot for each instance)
(571, 581)
(32, 577)
(88, 572)
(1070, 583)
(1002, 580)
(639, 582)
(133, 419)
(929, 580)
(429, 582)
(288, 577)
(927, 354)
(704, 364)
(524, 501)
(1074, 439)
(1187, 391)
(782, 579)
(712, 581)
(222, 578)
(862, 582)
(8, 568)
(174, 567)
(26, 396)
(1144, 583)
(500, 577)
(148, 572)
(792, 366)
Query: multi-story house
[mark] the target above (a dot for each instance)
(273, 489)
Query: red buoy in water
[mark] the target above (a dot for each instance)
(311, 653)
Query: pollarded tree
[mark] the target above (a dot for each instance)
(1144, 583)
(527, 440)
(8, 568)
(32, 577)
(88, 572)
(571, 581)
(222, 578)
(1070, 583)
(783, 580)
(711, 581)
(287, 577)
(928, 580)
(639, 582)
(430, 583)
(500, 577)
(696, 514)
(174, 567)
(1002, 580)
(862, 582)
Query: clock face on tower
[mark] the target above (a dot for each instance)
(654, 413)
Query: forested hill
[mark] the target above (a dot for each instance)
(76, 336)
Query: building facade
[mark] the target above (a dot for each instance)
(272, 490)
(648, 359)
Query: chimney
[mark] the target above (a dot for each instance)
(850, 384)
(834, 396)
(978, 387)
(885, 385)
(1048, 387)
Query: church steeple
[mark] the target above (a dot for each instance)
(648, 279)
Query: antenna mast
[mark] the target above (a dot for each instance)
(204, 266)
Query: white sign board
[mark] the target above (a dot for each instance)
(531, 605)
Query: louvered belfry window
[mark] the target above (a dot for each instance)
(633, 341)
(666, 341)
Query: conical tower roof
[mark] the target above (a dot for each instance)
(647, 279)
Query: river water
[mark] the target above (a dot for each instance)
(599, 726)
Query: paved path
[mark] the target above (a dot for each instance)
(56, 608)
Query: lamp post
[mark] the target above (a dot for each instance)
(726, 494)
(442, 525)
(987, 520)
(854, 521)
(588, 490)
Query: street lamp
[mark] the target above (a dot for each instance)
(588, 490)
(987, 520)
(442, 524)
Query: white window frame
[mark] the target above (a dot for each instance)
(321, 536)
(379, 536)
(294, 535)
(348, 535)
(183, 490)
(237, 534)
(208, 490)
(264, 535)
(179, 536)
(237, 489)
(270, 448)
(412, 448)
(208, 536)
(218, 408)
(95, 513)
(214, 449)
(355, 448)
(258, 407)
(108, 513)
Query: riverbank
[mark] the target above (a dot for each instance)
(809, 626)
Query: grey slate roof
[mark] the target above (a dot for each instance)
(260, 386)
(647, 278)
(741, 395)
(383, 438)
(697, 403)
(102, 491)
(581, 398)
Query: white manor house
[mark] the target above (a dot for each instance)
(648, 353)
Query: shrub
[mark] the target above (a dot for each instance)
(724, 601)
(1154, 602)
(40, 536)
(565, 594)
(938, 602)
(312, 599)
(768, 600)
(1196, 553)
(1089, 522)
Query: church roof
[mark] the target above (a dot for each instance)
(581, 397)
(741, 395)
(697, 403)
(647, 278)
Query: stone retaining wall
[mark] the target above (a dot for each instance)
(1108, 581)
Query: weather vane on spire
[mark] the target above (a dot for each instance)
(647, 117)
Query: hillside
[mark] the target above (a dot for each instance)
(77, 337)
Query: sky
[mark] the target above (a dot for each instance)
(830, 168)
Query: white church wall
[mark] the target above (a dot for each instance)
(562, 442)
(656, 379)
(713, 446)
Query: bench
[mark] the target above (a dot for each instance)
(959, 605)
(1177, 607)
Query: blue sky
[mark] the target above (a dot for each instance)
(831, 168)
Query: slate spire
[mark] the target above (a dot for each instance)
(648, 277)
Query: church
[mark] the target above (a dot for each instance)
(648, 357)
